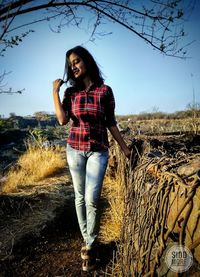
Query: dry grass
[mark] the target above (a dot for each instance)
(112, 217)
(113, 191)
(35, 165)
(160, 126)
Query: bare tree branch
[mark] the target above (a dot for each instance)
(13, 5)
(160, 23)
(10, 91)
(74, 3)
(2, 86)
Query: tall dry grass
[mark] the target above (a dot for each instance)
(112, 216)
(33, 166)
(113, 191)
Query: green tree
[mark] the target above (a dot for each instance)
(5, 124)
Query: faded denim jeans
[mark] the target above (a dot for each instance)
(87, 170)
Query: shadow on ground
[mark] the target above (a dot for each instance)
(55, 252)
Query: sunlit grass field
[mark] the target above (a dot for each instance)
(35, 165)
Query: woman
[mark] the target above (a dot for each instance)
(90, 104)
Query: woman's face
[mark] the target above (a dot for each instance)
(77, 66)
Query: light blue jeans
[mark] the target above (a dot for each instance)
(87, 170)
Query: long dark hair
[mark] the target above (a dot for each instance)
(90, 64)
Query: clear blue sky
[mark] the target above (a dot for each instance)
(141, 78)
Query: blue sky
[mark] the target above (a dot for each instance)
(142, 79)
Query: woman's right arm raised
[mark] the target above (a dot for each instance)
(60, 113)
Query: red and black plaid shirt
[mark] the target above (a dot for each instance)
(91, 113)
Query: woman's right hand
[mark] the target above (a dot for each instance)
(57, 84)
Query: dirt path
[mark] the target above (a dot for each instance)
(55, 256)
(55, 252)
